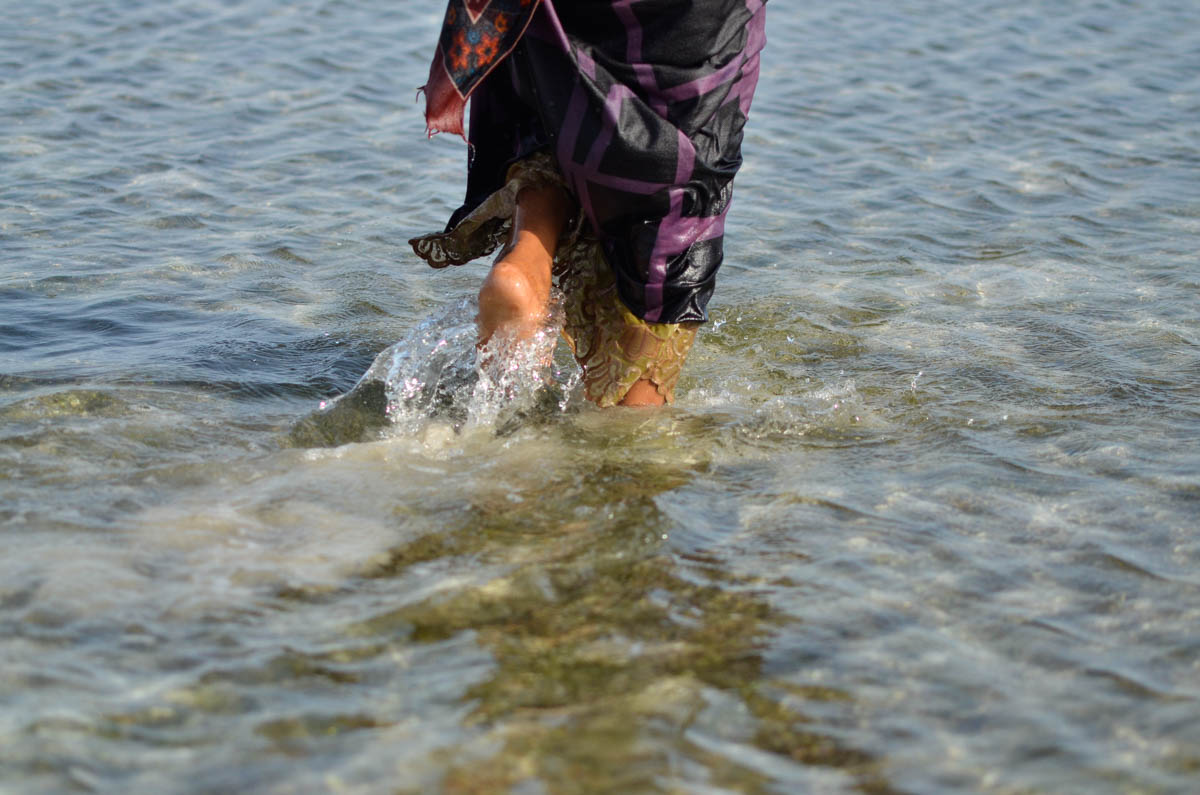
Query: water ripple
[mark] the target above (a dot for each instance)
(922, 520)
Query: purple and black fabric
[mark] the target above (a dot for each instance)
(643, 103)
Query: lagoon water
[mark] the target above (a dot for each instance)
(925, 517)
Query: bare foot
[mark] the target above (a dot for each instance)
(643, 393)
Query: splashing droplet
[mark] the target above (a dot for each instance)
(437, 374)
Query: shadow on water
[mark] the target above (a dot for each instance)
(352, 417)
(619, 664)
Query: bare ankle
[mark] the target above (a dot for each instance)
(514, 296)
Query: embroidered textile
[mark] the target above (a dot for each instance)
(476, 35)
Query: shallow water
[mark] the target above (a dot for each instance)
(922, 520)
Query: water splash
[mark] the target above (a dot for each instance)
(437, 374)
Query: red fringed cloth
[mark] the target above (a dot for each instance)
(477, 35)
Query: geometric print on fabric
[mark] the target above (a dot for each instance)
(477, 34)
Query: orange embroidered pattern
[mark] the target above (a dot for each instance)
(477, 34)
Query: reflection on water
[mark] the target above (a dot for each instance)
(923, 519)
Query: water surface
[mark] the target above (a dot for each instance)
(922, 520)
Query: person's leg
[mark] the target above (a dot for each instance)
(515, 294)
(625, 360)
